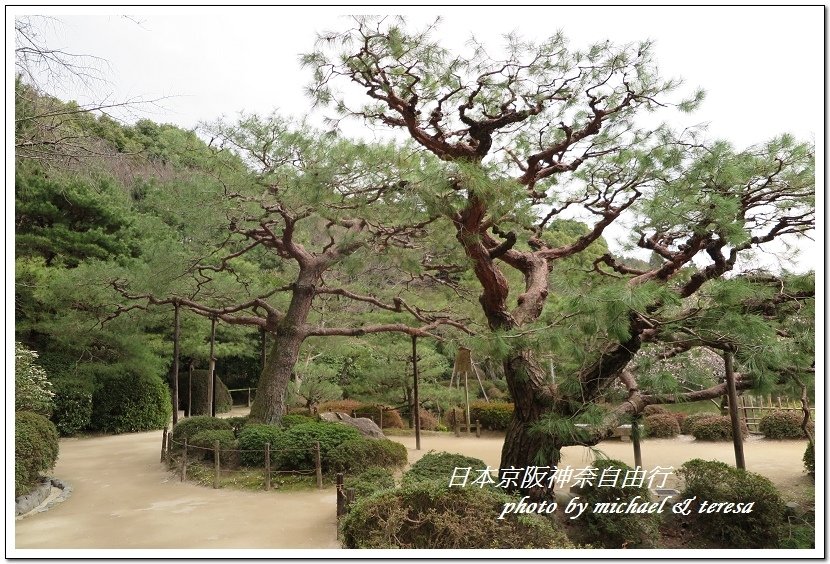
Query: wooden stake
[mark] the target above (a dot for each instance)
(737, 436)
(175, 363)
(417, 408)
(216, 464)
(190, 388)
(478, 429)
(635, 440)
(341, 497)
(318, 467)
(212, 369)
(163, 444)
(184, 461)
(267, 466)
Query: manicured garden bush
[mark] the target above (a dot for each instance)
(190, 426)
(691, 419)
(439, 466)
(35, 449)
(129, 401)
(391, 417)
(661, 425)
(205, 442)
(429, 422)
(358, 454)
(654, 410)
(295, 446)
(199, 400)
(617, 530)
(371, 480)
(783, 425)
(347, 406)
(237, 423)
(712, 482)
(810, 459)
(32, 389)
(73, 406)
(430, 515)
(716, 428)
(289, 420)
(494, 415)
(680, 418)
(252, 440)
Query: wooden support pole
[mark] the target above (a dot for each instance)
(267, 466)
(212, 369)
(417, 405)
(184, 461)
(190, 388)
(341, 498)
(478, 429)
(635, 441)
(466, 403)
(216, 465)
(163, 444)
(175, 363)
(249, 397)
(318, 467)
(350, 497)
(737, 436)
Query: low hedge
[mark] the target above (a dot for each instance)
(359, 454)
(810, 459)
(430, 515)
(370, 481)
(73, 406)
(127, 400)
(712, 482)
(290, 419)
(252, 440)
(783, 425)
(615, 530)
(691, 419)
(237, 423)
(188, 427)
(346, 406)
(661, 425)
(295, 446)
(716, 428)
(654, 410)
(494, 415)
(429, 422)
(206, 441)
(439, 466)
(199, 400)
(35, 449)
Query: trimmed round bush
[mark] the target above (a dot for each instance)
(618, 530)
(371, 480)
(429, 422)
(810, 459)
(716, 428)
(237, 423)
(439, 466)
(295, 446)
(494, 415)
(680, 418)
(713, 481)
(430, 515)
(190, 426)
(358, 454)
(129, 401)
(73, 407)
(391, 417)
(690, 420)
(35, 449)
(654, 410)
(252, 440)
(199, 401)
(661, 425)
(289, 420)
(783, 425)
(347, 406)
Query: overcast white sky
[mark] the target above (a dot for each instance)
(762, 67)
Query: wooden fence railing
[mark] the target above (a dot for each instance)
(752, 409)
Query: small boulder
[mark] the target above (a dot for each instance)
(366, 426)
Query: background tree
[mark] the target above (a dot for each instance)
(543, 130)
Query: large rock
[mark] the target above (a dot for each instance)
(363, 424)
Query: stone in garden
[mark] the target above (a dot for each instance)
(366, 426)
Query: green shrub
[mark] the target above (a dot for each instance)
(430, 515)
(252, 440)
(358, 454)
(32, 389)
(428, 421)
(494, 415)
(129, 401)
(373, 479)
(691, 420)
(617, 530)
(661, 425)
(289, 420)
(654, 410)
(716, 428)
(713, 481)
(205, 441)
(391, 417)
(237, 423)
(810, 459)
(73, 407)
(439, 466)
(35, 449)
(187, 428)
(783, 425)
(295, 446)
(199, 400)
